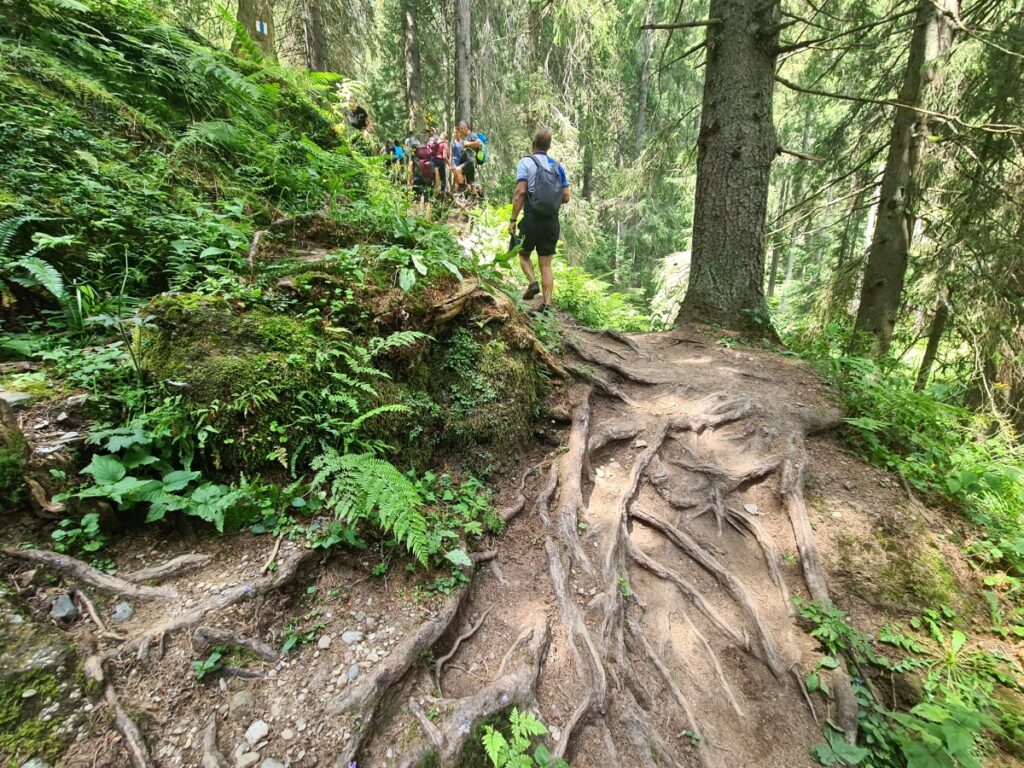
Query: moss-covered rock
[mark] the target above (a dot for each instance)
(267, 384)
(40, 687)
(13, 453)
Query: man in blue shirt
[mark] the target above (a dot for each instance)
(539, 228)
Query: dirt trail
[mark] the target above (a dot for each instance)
(639, 600)
(650, 551)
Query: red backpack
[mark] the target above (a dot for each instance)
(425, 160)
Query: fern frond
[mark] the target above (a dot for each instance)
(42, 274)
(9, 228)
(379, 345)
(362, 487)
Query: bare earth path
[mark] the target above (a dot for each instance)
(639, 596)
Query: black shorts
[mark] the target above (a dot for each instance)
(442, 171)
(469, 170)
(539, 233)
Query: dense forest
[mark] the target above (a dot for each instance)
(294, 473)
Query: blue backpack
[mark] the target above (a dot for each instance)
(482, 154)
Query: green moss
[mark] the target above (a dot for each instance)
(12, 467)
(917, 575)
(22, 733)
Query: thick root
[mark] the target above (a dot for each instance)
(138, 753)
(212, 758)
(570, 499)
(205, 638)
(86, 574)
(168, 570)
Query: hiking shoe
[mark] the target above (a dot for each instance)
(544, 309)
(531, 290)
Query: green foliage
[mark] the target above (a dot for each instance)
(82, 536)
(359, 487)
(211, 664)
(592, 302)
(511, 751)
(961, 706)
(297, 633)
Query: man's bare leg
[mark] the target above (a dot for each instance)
(547, 279)
(527, 264)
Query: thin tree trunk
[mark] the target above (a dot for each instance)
(257, 18)
(588, 172)
(314, 35)
(939, 321)
(777, 240)
(897, 210)
(734, 155)
(413, 81)
(640, 128)
(463, 41)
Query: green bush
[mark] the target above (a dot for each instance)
(592, 302)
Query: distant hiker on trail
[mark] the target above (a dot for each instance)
(474, 153)
(422, 171)
(439, 151)
(458, 152)
(542, 187)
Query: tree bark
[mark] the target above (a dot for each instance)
(413, 81)
(588, 172)
(939, 321)
(249, 13)
(887, 257)
(735, 149)
(314, 35)
(463, 42)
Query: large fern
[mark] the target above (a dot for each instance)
(361, 487)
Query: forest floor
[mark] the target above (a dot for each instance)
(639, 601)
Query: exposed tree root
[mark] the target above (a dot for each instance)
(643, 647)
(90, 609)
(212, 758)
(613, 431)
(629, 375)
(690, 592)
(792, 492)
(544, 497)
(602, 383)
(448, 734)
(167, 570)
(361, 700)
(740, 519)
(137, 750)
(724, 577)
(439, 664)
(288, 568)
(570, 499)
(205, 638)
(85, 573)
(619, 337)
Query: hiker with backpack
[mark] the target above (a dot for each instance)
(422, 170)
(474, 153)
(542, 187)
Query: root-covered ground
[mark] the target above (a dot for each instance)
(639, 601)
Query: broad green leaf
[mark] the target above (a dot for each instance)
(105, 470)
(458, 557)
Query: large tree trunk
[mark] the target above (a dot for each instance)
(900, 193)
(640, 127)
(413, 82)
(588, 171)
(463, 41)
(734, 156)
(257, 18)
(314, 35)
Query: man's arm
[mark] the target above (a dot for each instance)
(565, 195)
(518, 199)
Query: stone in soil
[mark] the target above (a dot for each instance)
(247, 760)
(241, 706)
(256, 732)
(324, 642)
(351, 637)
(271, 763)
(123, 611)
(353, 672)
(64, 609)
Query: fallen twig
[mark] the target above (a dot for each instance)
(439, 664)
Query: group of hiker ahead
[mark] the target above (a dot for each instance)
(433, 163)
(436, 164)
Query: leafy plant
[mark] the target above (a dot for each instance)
(512, 752)
(82, 536)
(211, 664)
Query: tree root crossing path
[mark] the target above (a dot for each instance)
(640, 599)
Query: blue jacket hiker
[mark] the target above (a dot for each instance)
(542, 187)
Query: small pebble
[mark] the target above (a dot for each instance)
(353, 672)
(257, 732)
(247, 760)
(123, 611)
(351, 637)
(324, 642)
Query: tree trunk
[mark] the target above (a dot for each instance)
(900, 193)
(734, 156)
(463, 41)
(640, 128)
(314, 35)
(257, 18)
(413, 82)
(773, 270)
(939, 321)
